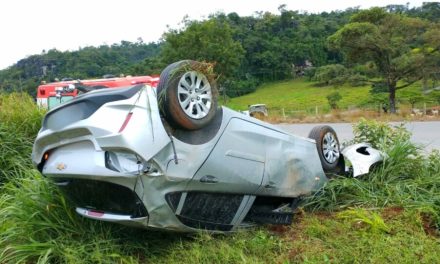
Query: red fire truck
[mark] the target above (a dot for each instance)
(53, 94)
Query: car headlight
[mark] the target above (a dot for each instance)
(130, 163)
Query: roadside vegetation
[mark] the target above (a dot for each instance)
(390, 215)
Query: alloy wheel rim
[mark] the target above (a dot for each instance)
(194, 94)
(330, 148)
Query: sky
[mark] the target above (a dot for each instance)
(28, 27)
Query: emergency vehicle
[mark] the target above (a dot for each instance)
(53, 94)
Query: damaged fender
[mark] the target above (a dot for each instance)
(362, 156)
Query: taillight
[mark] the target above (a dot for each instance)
(131, 163)
(40, 166)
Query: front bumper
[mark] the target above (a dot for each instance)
(362, 157)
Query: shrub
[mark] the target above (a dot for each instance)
(333, 99)
(241, 87)
(331, 74)
(380, 135)
(357, 79)
(309, 73)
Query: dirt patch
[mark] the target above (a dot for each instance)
(429, 225)
(279, 229)
(392, 212)
(287, 230)
(323, 215)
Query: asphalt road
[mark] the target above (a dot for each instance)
(424, 133)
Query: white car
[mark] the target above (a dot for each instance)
(170, 158)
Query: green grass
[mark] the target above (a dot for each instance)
(19, 112)
(347, 238)
(20, 121)
(389, 216)
(299, 94)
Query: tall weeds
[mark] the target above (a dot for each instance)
(19, 112)
(38, 225)
(20, 120)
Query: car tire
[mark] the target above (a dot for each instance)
(187, 97)
(327, 145)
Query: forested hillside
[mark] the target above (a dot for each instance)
(87, 62)
(246, 50)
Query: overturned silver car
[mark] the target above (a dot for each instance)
(170, 158)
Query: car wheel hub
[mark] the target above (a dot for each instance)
(194, 94)
(330, 148)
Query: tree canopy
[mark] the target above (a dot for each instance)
(403, 49)
(209, 40)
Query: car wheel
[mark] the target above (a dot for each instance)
(187, 96)
(327, 144)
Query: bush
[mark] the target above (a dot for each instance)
(357, 79)
(333, 99)
(333, 74)
(380, 135)
(239, 87)
(309, 73)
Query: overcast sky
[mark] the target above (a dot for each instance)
(29, 26)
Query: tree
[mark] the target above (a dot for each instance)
(209, 40)
(403, 49)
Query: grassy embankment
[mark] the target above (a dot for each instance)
(391, 215)
(300, 100)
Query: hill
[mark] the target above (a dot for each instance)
(300, 95)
